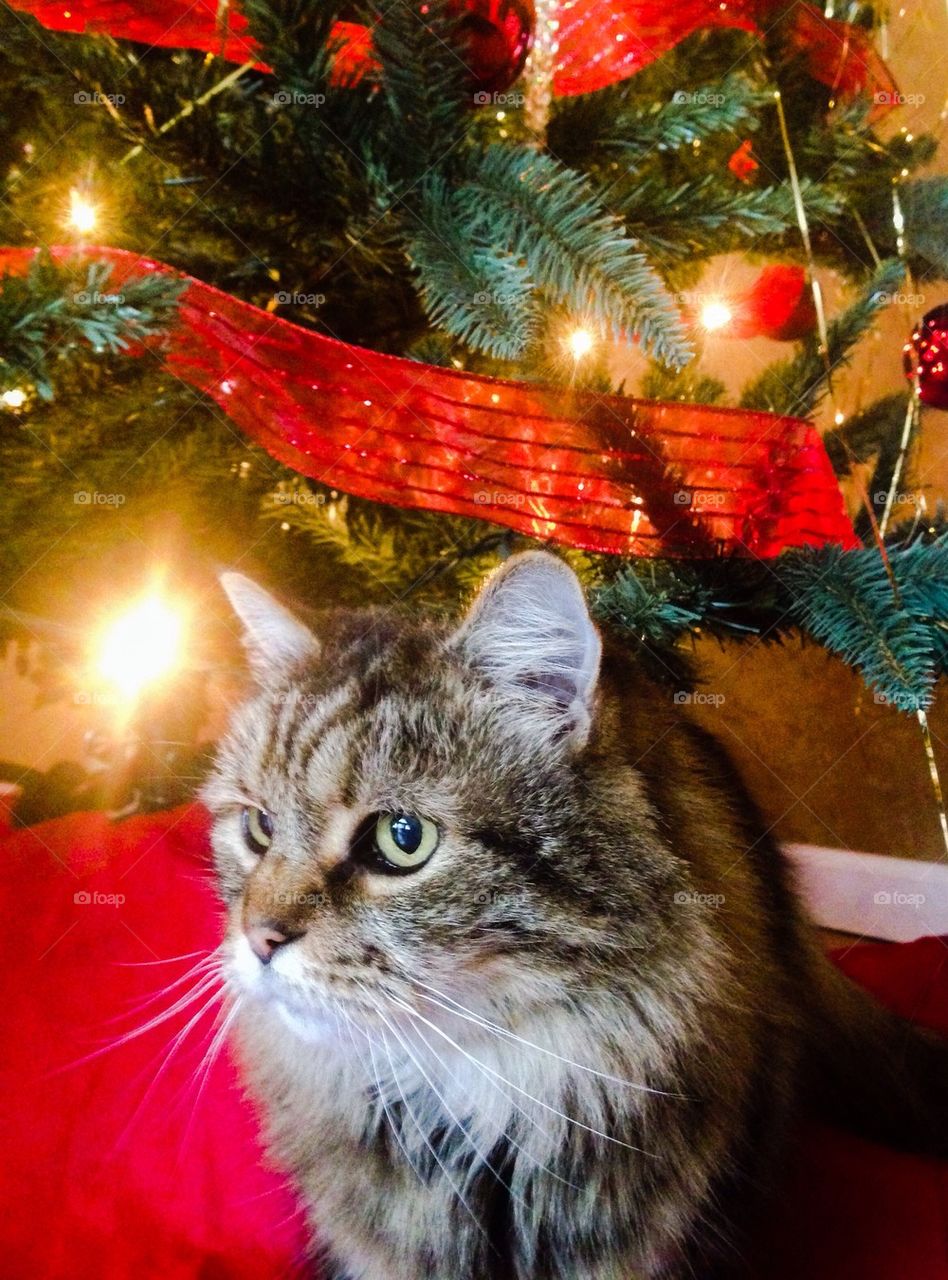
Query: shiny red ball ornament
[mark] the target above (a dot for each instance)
(496, 36)
(926, 357)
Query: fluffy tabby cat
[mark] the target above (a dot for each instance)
(524, 988)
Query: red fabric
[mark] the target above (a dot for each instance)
(599, 41)
(606, 473)
(112, 1171)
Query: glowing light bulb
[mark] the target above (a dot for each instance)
(715, 315)
(580, 343)
(141, 645)
(839, 417)
(15, 398)
(83, 214)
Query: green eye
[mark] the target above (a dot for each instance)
(257, 827)
(404, 841)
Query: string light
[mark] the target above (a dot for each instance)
(141, 645)
(15, 398)
(715, 315)
(580, 343)
(83, 214)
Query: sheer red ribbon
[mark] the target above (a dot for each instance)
(600, 41)
(605, 473)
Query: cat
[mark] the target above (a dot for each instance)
(523, 988)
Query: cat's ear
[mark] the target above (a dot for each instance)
(275, 640)
(530, 631)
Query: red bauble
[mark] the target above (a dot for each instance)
(926, 358)
(780, 304)
(496, 35)
(742, 163)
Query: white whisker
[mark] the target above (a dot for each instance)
(509, 1100)
(424, 1137)
(468, 1015)
(545, 1105)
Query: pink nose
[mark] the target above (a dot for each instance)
(264, 941)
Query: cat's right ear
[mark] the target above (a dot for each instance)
(276, 641)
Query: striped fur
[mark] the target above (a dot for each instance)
(567, 1048)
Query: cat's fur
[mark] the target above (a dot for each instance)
(570, 1046)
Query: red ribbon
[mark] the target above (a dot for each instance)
(600, 41)
(605, 473)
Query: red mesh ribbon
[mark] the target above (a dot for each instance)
(600, 41)
(606, 473)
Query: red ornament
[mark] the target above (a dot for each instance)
(742, 163)
(778, 305)
(606, 473)
(599, 41)
(926, 358)
(496, 35)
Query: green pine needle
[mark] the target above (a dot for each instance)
(573, 248)
(55, 312)
(846, 601)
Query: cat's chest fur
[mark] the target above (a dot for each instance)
(456, 1158)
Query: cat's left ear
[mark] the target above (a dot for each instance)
(276, 641)
(530, 632)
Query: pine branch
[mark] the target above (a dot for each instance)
(651, 614)
(866, 433)
(845, 600)
(54, 312)
(425, 86)
(924, 204)
(797, 385)
(662, 383)
(481, 295)
(573, 248)
(708, 216)
(638, 130)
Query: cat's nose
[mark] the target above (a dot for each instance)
(265, 940)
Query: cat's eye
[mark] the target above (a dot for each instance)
(403, 841)
(257, 827)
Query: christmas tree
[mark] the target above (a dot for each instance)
(340, 295)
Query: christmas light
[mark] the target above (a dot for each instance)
(715, 315)
(83, 214)
(15, 398)
(141, 645)
(580, 343)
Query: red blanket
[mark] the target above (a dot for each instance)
(128, 1160)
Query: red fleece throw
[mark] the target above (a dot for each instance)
(129, 1161)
